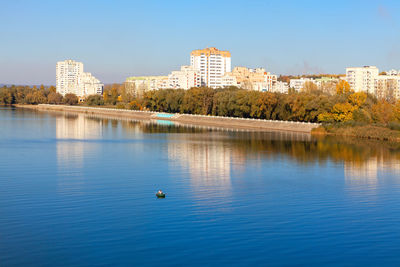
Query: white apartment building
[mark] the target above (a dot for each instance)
(367, 79)
(387, 86)
(362, 79)
(212, 64)
(138, 85)
(280, 87)
(270, 81)
(185, 78)
(250, 79)
(298, 84)
(67, 75)
(89, 85)
(228, 80)
(393, 72)
(70, 78)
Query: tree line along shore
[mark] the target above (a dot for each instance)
(341, 113)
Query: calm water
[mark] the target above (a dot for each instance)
(78, 190)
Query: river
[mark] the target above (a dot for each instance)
(80, 190)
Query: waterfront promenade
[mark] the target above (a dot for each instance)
(217, 121)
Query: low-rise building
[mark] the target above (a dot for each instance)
(280, 87)
(138, 85)
(89, 85)
(270, 81)
(326, 84)
(298, 84)
(387, 87)
(185, 78)
(393, 72)
(325, 79)
(229, 80)
(250, 79)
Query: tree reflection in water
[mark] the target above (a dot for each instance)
(210, 149)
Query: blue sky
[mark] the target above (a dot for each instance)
(116, 39)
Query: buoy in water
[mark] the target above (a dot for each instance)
(160, 194)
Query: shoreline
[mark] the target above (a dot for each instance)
(214, 121)
(367, 132)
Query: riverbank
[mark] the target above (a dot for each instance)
(216, 121)
(364, 132)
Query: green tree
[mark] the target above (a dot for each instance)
(54, 98)
(70, 99)
(224, 101)
(52, 89)
(94, 100)
(35, 97)
(6, 96)
(198, 100)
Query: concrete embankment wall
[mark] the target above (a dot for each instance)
(228, 122)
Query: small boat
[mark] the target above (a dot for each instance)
(160, 194)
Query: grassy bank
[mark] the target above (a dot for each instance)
(367, 131)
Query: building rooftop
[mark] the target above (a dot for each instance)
(210, 51)
(145, 78)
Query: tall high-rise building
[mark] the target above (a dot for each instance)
(212, 64)
(67, 75)
(70, 78)
(362, 79)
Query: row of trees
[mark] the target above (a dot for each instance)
(310, 105)
(34, 95)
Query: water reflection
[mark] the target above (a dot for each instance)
(71, 132)
(367, 173)
(209, 154)
(207, 161)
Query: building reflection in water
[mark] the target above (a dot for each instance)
(367, 172)
(209, 164)
(211, 155)
(72, 133)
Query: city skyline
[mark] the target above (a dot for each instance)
(116, 40)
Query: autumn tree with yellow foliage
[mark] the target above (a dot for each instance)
(342, 87)
(343, 112)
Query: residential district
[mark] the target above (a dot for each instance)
(212, 67)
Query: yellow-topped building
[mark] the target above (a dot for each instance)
(212, 64)
(210, 51)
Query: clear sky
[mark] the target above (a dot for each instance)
(116, 39)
